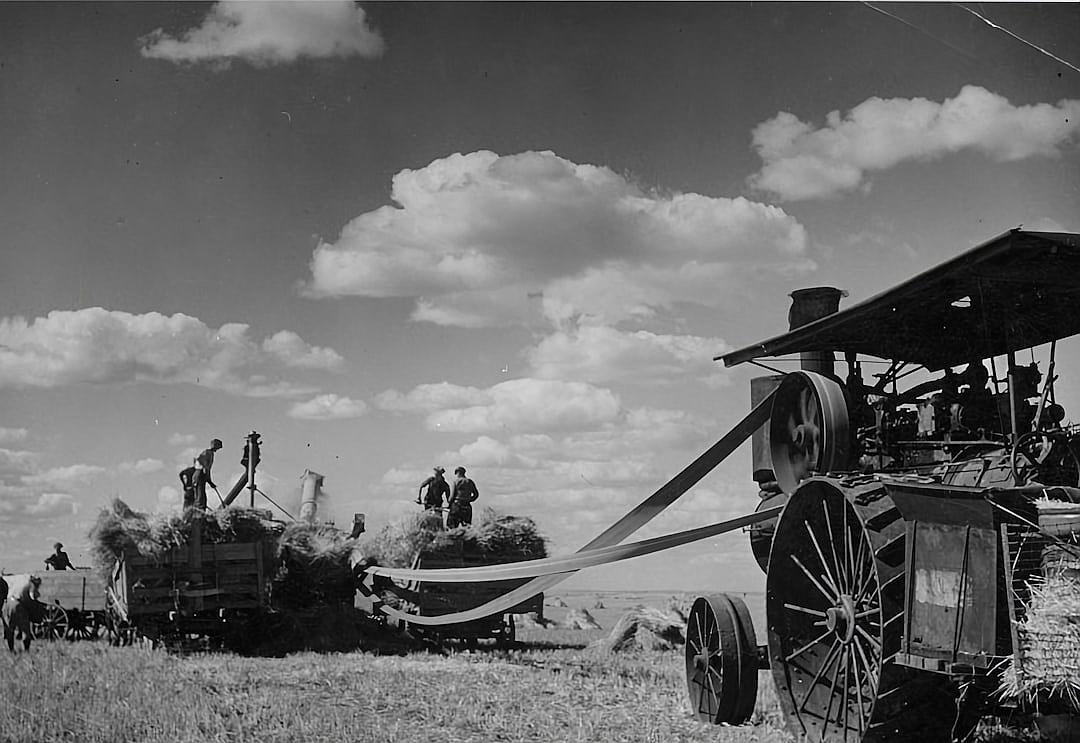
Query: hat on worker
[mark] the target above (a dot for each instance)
(439, 470)
(216, 443)
(58, 546)
(459, 471)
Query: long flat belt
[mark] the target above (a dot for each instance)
(642, 514)
(578, 561)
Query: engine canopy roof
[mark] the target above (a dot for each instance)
(1018, 290)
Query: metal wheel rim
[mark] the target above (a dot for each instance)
(721, 661)
(825, 616)
(53, 625)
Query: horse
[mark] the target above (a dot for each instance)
(20, 611)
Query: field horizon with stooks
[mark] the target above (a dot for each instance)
(551, 687)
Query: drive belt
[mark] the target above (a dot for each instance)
(645, 512)
(578, 561)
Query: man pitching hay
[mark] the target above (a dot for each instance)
(461, 499)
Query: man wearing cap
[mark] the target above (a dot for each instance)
(203, 464)
(461, 498)
(437, 489)
(59, 559)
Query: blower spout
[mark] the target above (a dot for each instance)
(310, 490)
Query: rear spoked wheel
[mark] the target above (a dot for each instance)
(835, 593)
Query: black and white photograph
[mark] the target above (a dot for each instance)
(539, 371)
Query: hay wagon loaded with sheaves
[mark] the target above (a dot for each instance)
(422, 543)
(197, 589)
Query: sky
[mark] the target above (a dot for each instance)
(507, 236)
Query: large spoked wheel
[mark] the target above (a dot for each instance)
(53, 624)
(721, 660)
(835, 593)
(808, 429)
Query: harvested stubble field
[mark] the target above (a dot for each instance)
(552, 688)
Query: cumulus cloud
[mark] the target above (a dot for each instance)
(99, 346)
(481, 240)
(28, 494)
(328, 407)
(269, 33)
(22, 507)
(72, 474)
(605, 354)
(427, 398)
(291, 350)
(805, 162)
(12, 435)
(16, 463)
(518, 405)
(141, 467)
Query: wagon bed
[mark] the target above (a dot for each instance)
(192, 589)
(434, 599)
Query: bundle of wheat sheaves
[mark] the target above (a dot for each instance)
(1047, 674)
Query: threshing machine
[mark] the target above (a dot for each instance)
(916, 451)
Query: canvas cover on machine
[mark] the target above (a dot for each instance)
(1019, 290)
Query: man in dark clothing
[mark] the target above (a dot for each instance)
(58, 560)
(204, 463)
(437, 489)
(461, 498)
(187, 481)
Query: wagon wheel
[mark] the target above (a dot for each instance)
(834, 603)
(721, 660)
(808, 430)
(82, 625)
(53, 624)
(1046, 457)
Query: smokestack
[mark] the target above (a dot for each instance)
(311, 485)
(808, 305)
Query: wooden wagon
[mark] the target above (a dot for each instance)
(74, 604)
(191, 590)
(434, 599)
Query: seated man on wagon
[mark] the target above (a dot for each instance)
(59, 559)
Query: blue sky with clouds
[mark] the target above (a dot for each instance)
(507, 236)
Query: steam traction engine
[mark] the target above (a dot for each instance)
(918, 460)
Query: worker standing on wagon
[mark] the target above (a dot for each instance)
(204, 463)
(461, 499)
(187, 482)
(59, 559)
(437, 489)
